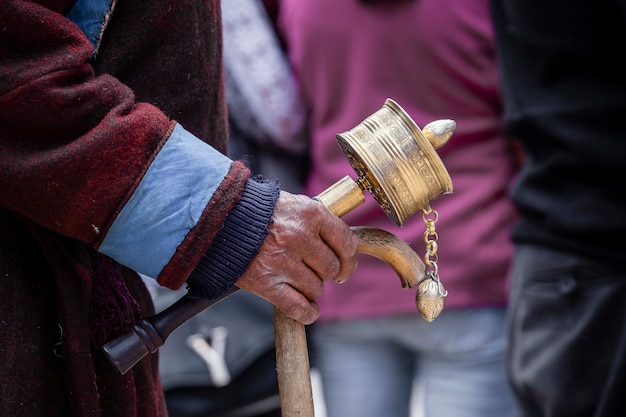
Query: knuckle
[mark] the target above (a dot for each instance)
(317, 289)
(301, 312)
(331, 270)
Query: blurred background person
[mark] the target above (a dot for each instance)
(436, 58)
(266, 114)
(563, 70)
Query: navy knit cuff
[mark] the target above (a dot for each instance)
(237, 242)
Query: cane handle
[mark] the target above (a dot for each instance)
(394, 251)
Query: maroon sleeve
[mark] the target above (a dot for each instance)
(73, 146)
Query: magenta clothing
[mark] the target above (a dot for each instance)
(346, 72)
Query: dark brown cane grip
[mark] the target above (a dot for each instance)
(149, 334)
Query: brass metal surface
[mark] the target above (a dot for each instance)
(342, 197)
(396, 162)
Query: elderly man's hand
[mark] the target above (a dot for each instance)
(306, 245)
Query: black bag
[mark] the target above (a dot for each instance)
(221, 362)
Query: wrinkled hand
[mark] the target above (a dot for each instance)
(306, 246)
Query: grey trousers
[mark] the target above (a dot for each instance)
(369, 367)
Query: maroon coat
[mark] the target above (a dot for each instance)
(76, 137)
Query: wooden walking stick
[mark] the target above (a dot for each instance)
(397, 163)
(292, 358)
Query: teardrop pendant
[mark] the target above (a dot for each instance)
(430, 298)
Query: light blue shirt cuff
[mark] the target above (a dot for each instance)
(167, 203)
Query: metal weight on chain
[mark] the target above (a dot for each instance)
(431, 295)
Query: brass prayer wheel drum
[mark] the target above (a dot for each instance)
(395, 161)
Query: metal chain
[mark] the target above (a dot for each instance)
(430, 239)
